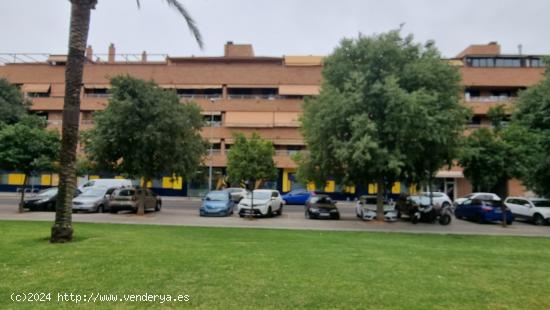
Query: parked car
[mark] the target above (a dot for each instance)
(536, 210)
(217, 203)
(44, 200)
(321, 206)
(108, 183)
(439, 199)
(365, 209)
(93, 199)
(237, 193)
(480, 196)
(483, 211)
(266, 203)
(128, 198)
(297, 197)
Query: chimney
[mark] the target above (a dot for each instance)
(90, 53)
(144, 56)
(238, 50)
(112, 53)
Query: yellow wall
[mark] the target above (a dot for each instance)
(46, 180)
(172, 183)
(287, 184)
(16, 178)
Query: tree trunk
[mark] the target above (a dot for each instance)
(62, 230)
(141, 202)
(22, 201)
(380, 199)
(251, 216)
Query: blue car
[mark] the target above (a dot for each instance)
(483, 211)
(217, 203)
(297, 197)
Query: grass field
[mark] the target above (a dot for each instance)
(252, 268)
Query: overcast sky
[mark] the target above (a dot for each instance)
(277, 27)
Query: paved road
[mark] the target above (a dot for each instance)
(184, 212)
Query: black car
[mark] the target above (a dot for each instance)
(321, 206)
(44, 200)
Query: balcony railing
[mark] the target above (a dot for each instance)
(248, 97)
(489, 98)
(191, 96)
(97, 95)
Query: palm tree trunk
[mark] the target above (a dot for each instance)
(62, 230)
(22, 201)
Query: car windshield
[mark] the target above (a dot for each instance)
(542, 203)
(125, 192)
(48, 192)
(422, 200)
(216, 196)
(261, 195)
(94, 192)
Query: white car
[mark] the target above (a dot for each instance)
(439, 199)
(365, 209)
(480, 196)
(237, 193)
(533, 209)
(266, 203)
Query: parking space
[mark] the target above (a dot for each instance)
(185, 212)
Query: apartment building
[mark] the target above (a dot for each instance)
(241, 92)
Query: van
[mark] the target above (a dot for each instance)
(108, 183)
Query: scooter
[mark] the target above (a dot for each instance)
(430, 214)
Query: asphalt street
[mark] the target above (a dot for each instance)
(185, 212)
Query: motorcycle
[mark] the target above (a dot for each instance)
(430, 214)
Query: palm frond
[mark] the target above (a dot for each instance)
(190, 21)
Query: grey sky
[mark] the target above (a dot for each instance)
(275, 28)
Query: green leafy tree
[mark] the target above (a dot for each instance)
(533, 114)
(146, 132)
(388, 110)
(251, 160)
(62, 230)
(28, 147)
(12, 104)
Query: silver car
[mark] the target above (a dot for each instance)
(94, 199)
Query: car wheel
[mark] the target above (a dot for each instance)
(100, 209)
(337, 217)
(241, 215)
(113, 211)
(414, 219)
(445, 219)
(269, 212)
(49, 207)
(509, 222)
(538, 219)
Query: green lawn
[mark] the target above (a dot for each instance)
(253, 268)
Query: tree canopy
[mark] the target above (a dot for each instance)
(388, 110)
(28, 147)
(250, 160)
(146, 132)
(12, 104)
(533, 114)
